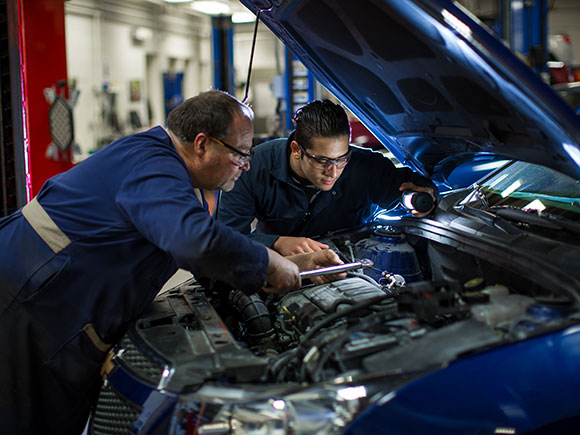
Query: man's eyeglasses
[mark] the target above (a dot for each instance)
(241, 158)
(326, 163)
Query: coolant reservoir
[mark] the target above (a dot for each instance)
(390, 252)
(501, 309)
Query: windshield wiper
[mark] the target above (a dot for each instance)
(491, 219)
(539, 220)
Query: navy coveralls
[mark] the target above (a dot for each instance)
(268, 192)
(85, 258)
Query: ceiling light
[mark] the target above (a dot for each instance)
(210, 7)
(243, 17)
(177, 1)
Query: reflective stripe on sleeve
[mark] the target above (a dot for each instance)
(199, 195)
(94, 337)
(44, 226)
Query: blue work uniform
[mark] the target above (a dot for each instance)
(270, 193)
(85, 258)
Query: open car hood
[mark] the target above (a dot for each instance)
(428, 80)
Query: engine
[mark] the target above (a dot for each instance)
(429, 300)
(381, 318)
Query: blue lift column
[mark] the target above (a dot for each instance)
(223, 78)
(223, 53)
(299, 86)
(524, 24)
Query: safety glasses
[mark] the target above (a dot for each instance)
(325, 163)
(240, 158)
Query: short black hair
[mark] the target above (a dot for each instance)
(320, 118)
(210, 112)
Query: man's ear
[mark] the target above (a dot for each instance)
(295, 150)
(200, 144)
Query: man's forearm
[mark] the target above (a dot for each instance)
(267, 240)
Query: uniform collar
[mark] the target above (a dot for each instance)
(280, 168)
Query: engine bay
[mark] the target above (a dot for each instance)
(426, 303)
(420, 307)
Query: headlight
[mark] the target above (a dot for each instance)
(320, 410)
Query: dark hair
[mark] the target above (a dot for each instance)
(210, 112)
(320, 118)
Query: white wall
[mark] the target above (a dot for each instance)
(83, 64)
(102, 51)
(564, 18)
(265, 67)
(122, 62)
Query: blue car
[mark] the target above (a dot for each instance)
(469, 320)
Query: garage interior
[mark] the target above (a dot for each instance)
(125, 64)
(100, 70)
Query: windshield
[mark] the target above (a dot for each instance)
(529, 187)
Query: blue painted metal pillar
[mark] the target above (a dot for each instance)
(223, 78)
(299, 86)
(524, 24)
(223, 53)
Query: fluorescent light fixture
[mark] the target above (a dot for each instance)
(211, 7)
(243, 17)
(177, 1)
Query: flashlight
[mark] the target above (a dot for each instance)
(420, 201)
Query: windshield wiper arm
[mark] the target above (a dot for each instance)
(525, 217)
(491, 219)
(540, 220)
(567, 224)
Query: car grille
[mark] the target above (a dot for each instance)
(138, 363)
(113, 415)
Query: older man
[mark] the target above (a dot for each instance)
(89, 253)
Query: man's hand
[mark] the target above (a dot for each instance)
(316, 260)
(283, 275)
(297, 245)
(407, 185)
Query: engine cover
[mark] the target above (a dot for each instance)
(338, 295)
(333, 297)
(303, 308)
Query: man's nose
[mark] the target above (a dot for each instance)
(331, 170)
(245, 166)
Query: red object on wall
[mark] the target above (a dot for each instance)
(43, 63)
(360, 135)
